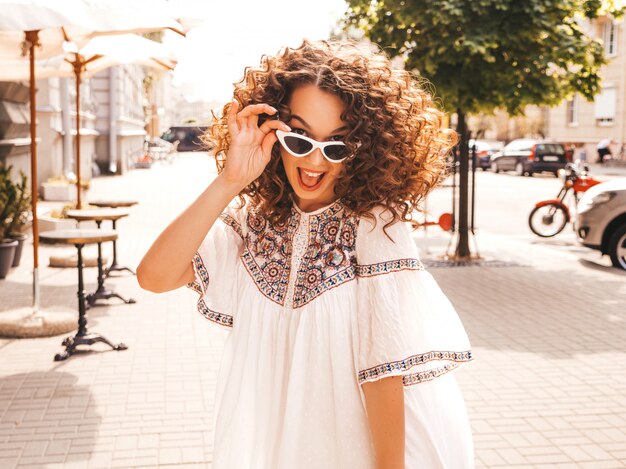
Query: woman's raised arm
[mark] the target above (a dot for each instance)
(167, 264)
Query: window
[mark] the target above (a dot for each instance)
(572, 111)
(609, 36)
(605, 104)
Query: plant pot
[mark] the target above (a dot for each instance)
(7, 253)
(48, 223)
(61, 192)
(20, 238)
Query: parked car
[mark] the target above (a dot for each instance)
(188, 137)
(484, 150)
(601, 220)
(529, 156)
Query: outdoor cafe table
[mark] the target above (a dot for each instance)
(115, 204)
(99, 215)
(80, 238)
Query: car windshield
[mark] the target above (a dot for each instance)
(550, 149)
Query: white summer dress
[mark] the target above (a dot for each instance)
(315, 308)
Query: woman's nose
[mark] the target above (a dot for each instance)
(316, 158)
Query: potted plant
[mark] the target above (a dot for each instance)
(8, 195)
(21, 217)
(63, 189)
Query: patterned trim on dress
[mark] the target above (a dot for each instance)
(195, 286)
(203, 274)
(410, 362)
(371, 270)
(230, 221)
(423, 376)
(214, 316)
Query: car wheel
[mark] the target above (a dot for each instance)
(617, 247)
(494, 167)
(519, 169)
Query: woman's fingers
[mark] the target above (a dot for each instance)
(250, 115)
(266, 146)
(256, 109)
(233, 127)
(269, 125)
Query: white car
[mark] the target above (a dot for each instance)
(601, 220)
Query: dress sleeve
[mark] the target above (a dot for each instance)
(406, 324)
(215, 264)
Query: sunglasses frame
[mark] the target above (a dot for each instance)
(281, 134)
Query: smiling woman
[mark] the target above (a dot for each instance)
(342, 344)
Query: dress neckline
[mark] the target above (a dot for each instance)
(329, 209)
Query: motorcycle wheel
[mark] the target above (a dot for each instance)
(547, 220)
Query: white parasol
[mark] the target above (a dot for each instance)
(27, 25)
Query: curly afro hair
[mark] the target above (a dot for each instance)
(397, 135)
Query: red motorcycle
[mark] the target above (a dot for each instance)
(549, 217)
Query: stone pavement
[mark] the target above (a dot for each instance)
(547, 388)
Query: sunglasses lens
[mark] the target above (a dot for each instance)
(297, 145)
(336, 152)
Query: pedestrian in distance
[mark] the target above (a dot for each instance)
(341, 345)
(582, 153)
(604, 149)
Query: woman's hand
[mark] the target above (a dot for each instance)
(250, 145)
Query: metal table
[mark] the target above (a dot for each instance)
(80, 238)
(99, 215)
(115, 267)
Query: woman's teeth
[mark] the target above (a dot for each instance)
(310, 178)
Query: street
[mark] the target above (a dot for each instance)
(546, 321)
(504, 202)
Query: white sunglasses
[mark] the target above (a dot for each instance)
(299, 146)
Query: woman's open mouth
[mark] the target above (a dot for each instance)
(310, 180)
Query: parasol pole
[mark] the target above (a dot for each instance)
(78, 64)
(32, 40)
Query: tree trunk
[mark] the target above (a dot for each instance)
(462, 247)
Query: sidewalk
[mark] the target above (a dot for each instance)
(547, 387)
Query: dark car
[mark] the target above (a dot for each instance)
(188, 137)
(528, 156)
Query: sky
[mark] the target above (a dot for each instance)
(237, 33)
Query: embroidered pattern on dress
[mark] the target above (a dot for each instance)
(422, 376)
(371, 270)
(330, 258)
(267, 254)
(200, 288)
(214, 316)
(408, 363)
(230, 221)
(294, 263)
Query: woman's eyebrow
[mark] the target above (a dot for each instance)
(304, 123)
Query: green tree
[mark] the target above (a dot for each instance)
(482, 55)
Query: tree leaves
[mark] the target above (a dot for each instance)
(488, 54)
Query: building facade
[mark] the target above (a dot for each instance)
(584, 124)
(112, 123)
